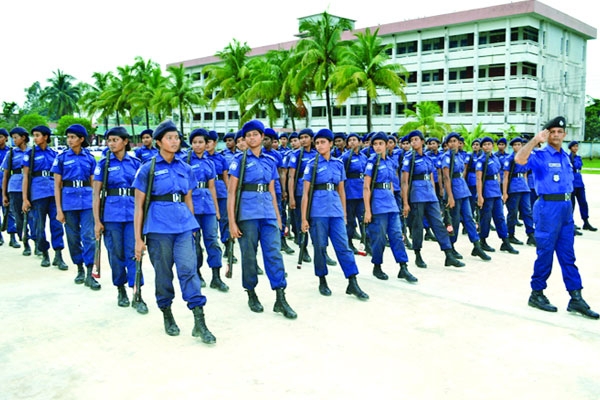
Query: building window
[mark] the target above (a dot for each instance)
(460, 73)
(496, 70)
(411, 78)
(461, 41)
(196, 76)
(382, 109)
(529, 69)
(492, 37)
(463, 106)
(208, 116)
(338, 111)
(389, 51)
(220, 115)
(400, 107)
(319, 111)
(528, 104)
(232, 115)
(433, 76)
(512, 105)
(406, 48)
(491, 106)
(197, 117)
(433, 44)
(261, 114)
(358, 109)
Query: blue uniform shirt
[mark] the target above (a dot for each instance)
(422, 191)
(460, 190)
(435, 158)
(204, 171)
(293, 162)
(279, 164)
(502, 157)
(221, 165)
(41, 186)
(552, 171)
(337, 153)
(491, 188)
(120, 175)
(15, 182)
(471, 176)
(518, 184)
(75, 167)
(174, 177)
(228, 154)
(356, 165)
(577, 164)
(382, 200)
(395, 157)
(326, 203)
(144, 154)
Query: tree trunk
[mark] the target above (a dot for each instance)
(147, 120)
(132, 128)
(118, 121)
(105, 124)
(181, 118)
(368, 114)
(327, 99)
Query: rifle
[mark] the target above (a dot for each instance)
(236, 212)
(447, 216)
(26, 213)
(137, 286)
(5, 214)
(98, 243)
(363, 226)
(197, 238)
(303, 235)
(483, 174)
(410, 176)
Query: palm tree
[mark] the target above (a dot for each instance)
(89, 101)
(62, 95)
(117, 97)
(425, 115)
(362, 66)
(231, 78)
(149, 78)
(179, 93)
(320, 53)
(478, 132)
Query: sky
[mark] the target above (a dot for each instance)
(81, 37)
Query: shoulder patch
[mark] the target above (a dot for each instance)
(233, 166)
(479, 164)
(97, 170)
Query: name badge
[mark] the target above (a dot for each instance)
(69, 162)
(161, 172)
(39, 157)
(555, 165)
(114, 168)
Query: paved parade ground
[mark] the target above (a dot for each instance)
(457, 334)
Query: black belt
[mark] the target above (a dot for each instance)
(219, 177)
(456, 175)
(518, 175)
(421, 177)
(491, 177)
(16, 171)
(355, 175)
(202, 185)
(557, 197)
(255, 187)
(172, 197)
(383, 185)
(37, 174)
(120, 192)
(326, 186)
(471, 170)
(577, 171)
(77, 184)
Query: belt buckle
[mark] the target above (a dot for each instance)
(45, 173)
(427, 177)
(567, 196)
(330, 186)
(387, 185)
(77, 184)
(260, 188)
(122, 191)
(362, 175)
(177, 197)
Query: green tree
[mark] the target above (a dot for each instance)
(33, 102)
(9, 110)
(30, 121)
(469, 136)
(363, 66)
(62, 94)
(90, 101)
(117, 97)
(320, 51)
(149, 78)
(179, 93)
(592, 119)
(425, 120)
(65, 121)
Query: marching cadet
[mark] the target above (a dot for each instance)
(381, 211)
(230, 150)
(515, 194)
(206, 206)
(501, 153)
(115, 218)
(395, 154)
(367, 149)
(73, 173)
(147, 151)
(240, 141)
(579, 187)
(553, 217)
(458, 195)
(42, 196)
(420, 198)
(283, 142)
(489, 197)
(294, 145)
(339, 142)
(10, 220)
(327, 214)
(354, 167)
(169, 227)
(258, 218)
(469, 174)
(435, 154)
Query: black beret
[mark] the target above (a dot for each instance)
(117, 131)
(415, 133)
(270, 132)
(487, 139)
(325, 134)
(146, 132)
(501, 140)
(306, 131)
(43, 129)
(198, 132)
(558, 122)
(452, 135)
(379, 136)
(213, 135)
(573, 143)
(254, 125)
(164, 127)
(78, 130)
(515, 140)
(228, 136)
(19, 131)
(3, 132)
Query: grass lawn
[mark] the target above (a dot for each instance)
(587, 163)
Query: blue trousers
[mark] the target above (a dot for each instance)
(298, 217)
(119, 240)
(224, 221)
(532, 197)
(322, 228)
(473, 198)
(79, 225)
(208, 228)
(11, 227)
(281, 213)
(165, 249)
(554, 232)
(462, 211)
(579, 194)
(380, 226)
(267, 231)
(492, 208)
(431, 212)
(16, 209)
(355, 211)
(519, 203)
(46, 208)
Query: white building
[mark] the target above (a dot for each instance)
(514, 64)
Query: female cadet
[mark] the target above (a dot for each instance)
(230, 150)
(489, 197)
(381, 211)
(421, 199)
(515, 194)
(469, 174)
(169, 228)
(339, 140)
(147, 151)
(327, 214)
(458, 195)
(354, 167)
(42, 196)
(579, 187)
(206, 207)
(10, 223)
(258, 218)
(115, 220)
(73, 173)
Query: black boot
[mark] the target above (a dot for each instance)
(578, 232)
(429, 235)
(578, 305)
(478, 252)
(171, 327)
(80, 275)
(418, 260)
(451, 261)
(140, 306)
(588, 227)
(354, 249)
(378, 273)
(456, 254)
(58, 260)
(122, 299)
(355, 235)
(537, 299)
(329, 261)
(519, 223)
(354, 289)
(323, 288)
(89, 279)
(1, 239)
(45, 259)
(407, 243)
(285, 248)
(202, 281)
(512, 239)
(200, 329)
(26, 248)
(253, 301)
(506, 246)
(216, 282)
(531, 240)
(306, 258)
(259, 271)
(281, 305)
(13, 241)
(404, 274)
(486, 247)
(36, 251)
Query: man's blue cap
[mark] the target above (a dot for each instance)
(164, 127)
(487, 139)
(477, 140)
(283, 134)
(293, 135)
(573, 143)
(352, 135)
(198, 132)
(324, 133)
(379, 136)
(404, 139)
(452, 135)
(462, 139)
(3, 132)
(415, 133)
(341, 135)
(229, 135)
(306, 131)
(394, 138)
(20, 131)
(43, 129)
(146, 132)
(254, 125)
(238, 135)
(213, 135)
(516, 140)
(78, 130)
(433, 139)
(558, 122)
(501, 140)
(117, 131)
(270, 132)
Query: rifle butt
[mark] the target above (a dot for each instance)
(229, 272)
(97, 254)
(137, 286)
